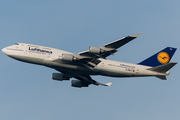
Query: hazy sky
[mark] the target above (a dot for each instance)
(27, 92)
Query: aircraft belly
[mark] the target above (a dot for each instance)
(112, 73)
(72, 68)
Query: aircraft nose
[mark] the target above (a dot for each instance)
(4, 50)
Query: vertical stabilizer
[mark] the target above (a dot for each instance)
(160, 58)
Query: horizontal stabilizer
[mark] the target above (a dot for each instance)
(163, 68)
(162, 77)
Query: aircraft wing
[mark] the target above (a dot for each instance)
(89, 59)
(107, 49)
(88, 80)
(85, 79)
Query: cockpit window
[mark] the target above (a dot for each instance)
(16, 43)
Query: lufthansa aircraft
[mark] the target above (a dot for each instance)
(92, 62)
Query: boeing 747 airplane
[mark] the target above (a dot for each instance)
(92, 62)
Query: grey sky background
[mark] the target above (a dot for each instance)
(28, 92)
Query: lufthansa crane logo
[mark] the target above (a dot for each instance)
(163, 57)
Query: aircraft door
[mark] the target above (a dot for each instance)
(102, 64)
(25, 51)
(48, 55)
(137, 70)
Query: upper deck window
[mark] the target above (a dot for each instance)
(16, 43)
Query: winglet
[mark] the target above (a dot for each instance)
(136, 35)
(108, 84)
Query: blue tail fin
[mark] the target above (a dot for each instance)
(159, 58)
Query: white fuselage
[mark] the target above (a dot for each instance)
(46, 56)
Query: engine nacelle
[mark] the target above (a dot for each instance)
(95, 50)
(78, 83)
(68, 57)
(59, 76)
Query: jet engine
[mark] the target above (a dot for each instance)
(68, 57)
(78, 83)
(59, 76)
(95, 50)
